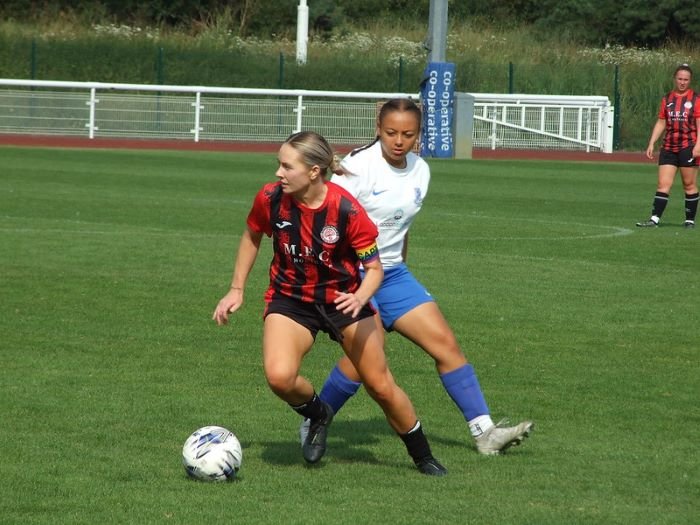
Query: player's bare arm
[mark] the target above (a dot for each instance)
(247, 253)
(352, 303)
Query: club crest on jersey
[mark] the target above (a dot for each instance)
(688, 105)
(419, 197)
(329, 234)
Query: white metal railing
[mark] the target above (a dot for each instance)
(540, 121)
(161, 111)
(197, 113)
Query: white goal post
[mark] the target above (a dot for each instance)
(197, 113)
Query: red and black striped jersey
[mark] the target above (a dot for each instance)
(315, 251)
(680, 112)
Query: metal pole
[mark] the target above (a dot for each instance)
(91, 122)
(160, 80)
(618, 109)
(302, 31)
(280, 81)
(281, 85)
(437, 31)
(32, 66)
(299, 110)
(510, 77)
(197, 115)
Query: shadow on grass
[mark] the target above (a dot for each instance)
(348, 441)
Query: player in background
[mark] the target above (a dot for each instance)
(390, 181)
(679, 117)
(320, 235)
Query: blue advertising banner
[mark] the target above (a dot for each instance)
(437, 99)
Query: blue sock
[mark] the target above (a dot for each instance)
(338, 389)
(463, 387)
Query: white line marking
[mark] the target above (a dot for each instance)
(617, 231)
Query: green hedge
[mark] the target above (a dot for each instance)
(107, 59)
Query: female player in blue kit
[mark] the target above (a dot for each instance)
(390, 181)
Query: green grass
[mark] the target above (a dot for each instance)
(112, 262)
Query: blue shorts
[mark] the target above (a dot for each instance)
(399, 293)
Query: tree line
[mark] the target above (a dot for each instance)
(590, 22)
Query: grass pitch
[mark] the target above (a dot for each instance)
(112, 262)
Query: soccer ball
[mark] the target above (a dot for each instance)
(212, 454)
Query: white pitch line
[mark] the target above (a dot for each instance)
(152, 233)
(618, 231)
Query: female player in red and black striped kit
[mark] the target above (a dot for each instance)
(320, 235)
(679, 117)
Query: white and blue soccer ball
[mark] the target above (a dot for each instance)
(212, 454)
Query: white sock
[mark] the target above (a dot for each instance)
(480, 424)
(415, 427)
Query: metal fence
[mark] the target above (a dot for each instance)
(199, 113)
(543, 122)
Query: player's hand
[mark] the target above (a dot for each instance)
(228, 304)
(348, 303)
(696, 151)
(650, 152)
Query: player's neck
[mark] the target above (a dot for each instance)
(398, 163)
(313, 196)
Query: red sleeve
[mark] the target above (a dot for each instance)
(259, 215)
(363, 234)
(662, 109)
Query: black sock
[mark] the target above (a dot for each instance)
(313, 409)
(691, 206)
(416, 443)
(660, 202)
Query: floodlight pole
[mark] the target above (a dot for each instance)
(302, 31)
(447, 120)
(437, 31)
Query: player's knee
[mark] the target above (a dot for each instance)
(446, 352)
(279, 381)
(381, 388)
(448, 342)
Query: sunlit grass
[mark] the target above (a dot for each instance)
(113, 261)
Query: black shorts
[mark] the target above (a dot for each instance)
(682, 159)
(315, 316)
